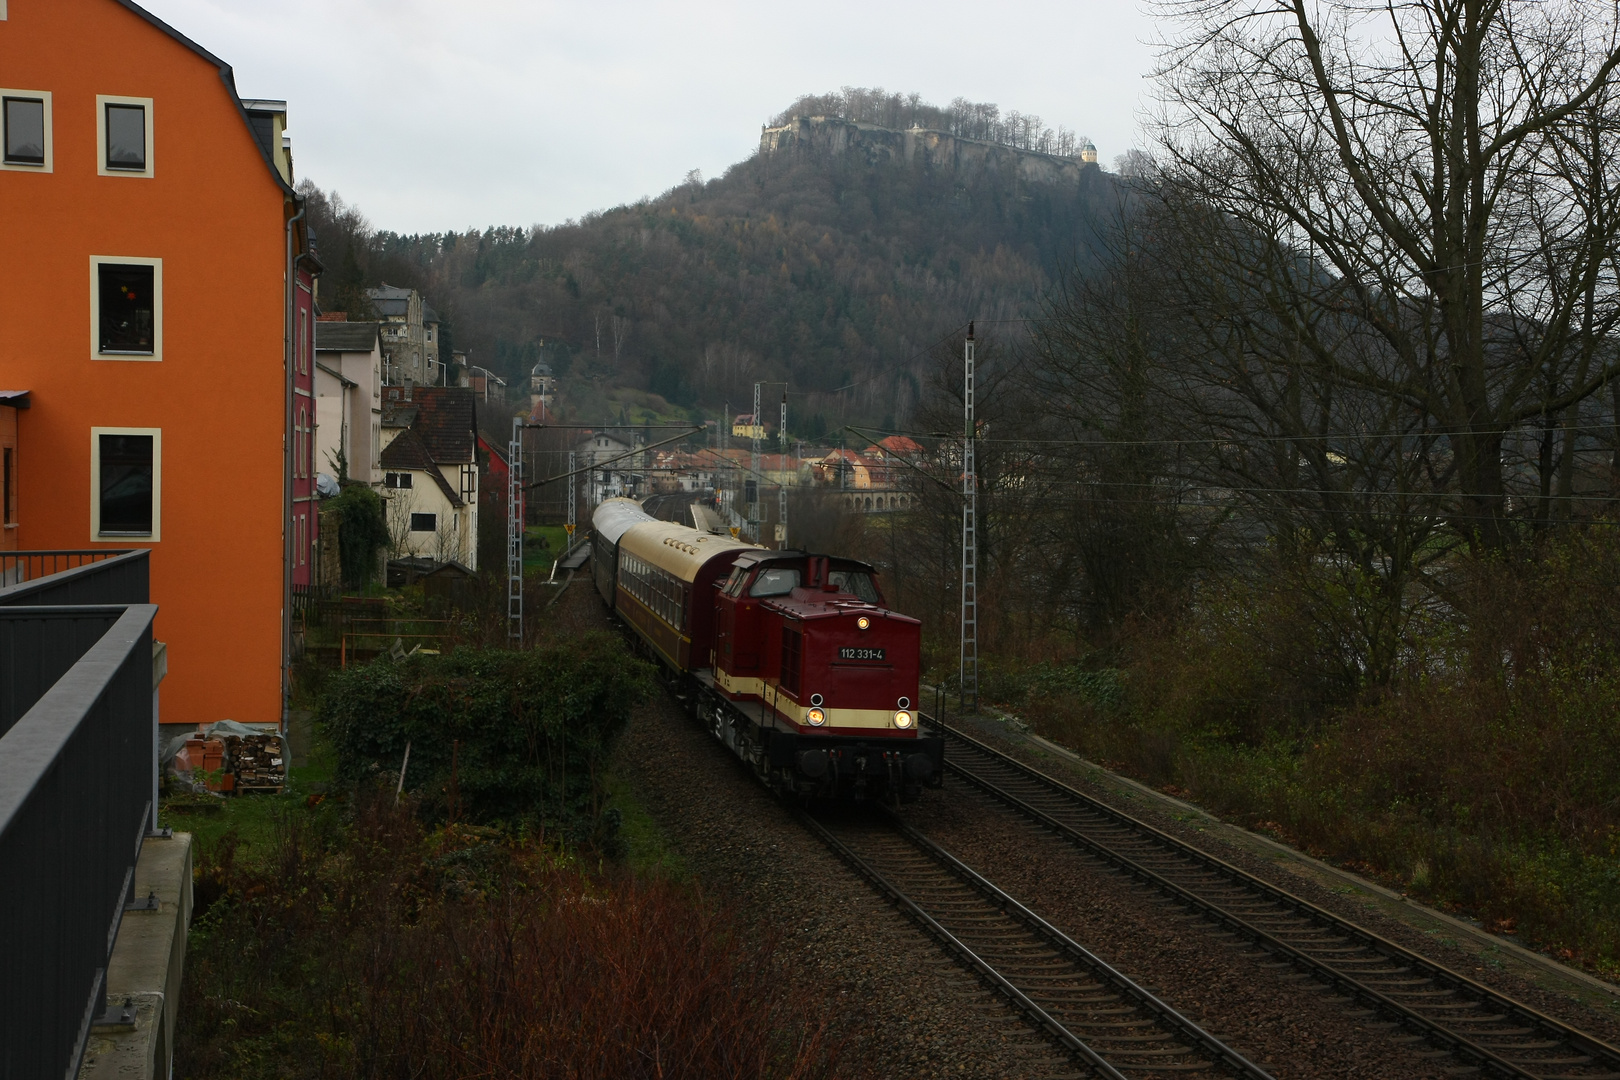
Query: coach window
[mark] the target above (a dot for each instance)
(25, 130)
(775, 581)
(126, 483)
(124, 131)
(126, 308)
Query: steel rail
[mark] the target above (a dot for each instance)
(1461, 1046)
(1121, 985)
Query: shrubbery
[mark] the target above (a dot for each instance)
(362, 533)
(366, 945)
(513, 736)
(1485, 776)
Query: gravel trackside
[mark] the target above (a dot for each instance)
(912, 1011)
(1289, 1025)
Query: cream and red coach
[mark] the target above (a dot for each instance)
(790, 658)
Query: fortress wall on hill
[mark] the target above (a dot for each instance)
(832, 137)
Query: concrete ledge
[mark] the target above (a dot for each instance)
(146, 967)
(1529, 964)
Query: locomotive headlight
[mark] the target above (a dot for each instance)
(816, 717)
(902, 719)
(863, 623)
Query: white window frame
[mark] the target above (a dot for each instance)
(96, 262)
(95, 485)
(50, 127)
(102, 101)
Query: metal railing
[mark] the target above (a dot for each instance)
(75, 577)
(76, 768)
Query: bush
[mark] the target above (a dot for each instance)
(362, 533)
(375, 948)
(494, 735)
(1484, 778)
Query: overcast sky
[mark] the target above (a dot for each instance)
(450, 114)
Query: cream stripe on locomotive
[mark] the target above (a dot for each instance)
(837, 719)
(738, 685)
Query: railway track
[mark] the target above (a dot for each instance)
(1480, 1027)
(1109, 1025)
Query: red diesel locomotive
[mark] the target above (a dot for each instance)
(789, 658)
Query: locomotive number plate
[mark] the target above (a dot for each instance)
(851, 652)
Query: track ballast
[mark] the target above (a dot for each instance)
(1479, 1026)
(1111, 1026)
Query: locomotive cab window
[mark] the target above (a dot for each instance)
(775, 581)
(856, 582)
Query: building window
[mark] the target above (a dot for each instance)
(424, 522)
(126, 486)
(8, 504)
(126, 308)
(25, 130)
(126, 137)
(397, 480)
(124, 130)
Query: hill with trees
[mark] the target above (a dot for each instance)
(832, 273)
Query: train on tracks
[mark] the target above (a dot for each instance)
(789, 658)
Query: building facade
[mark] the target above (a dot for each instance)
(348, 399)
(410, 333)
(430, 473)
(153, 242)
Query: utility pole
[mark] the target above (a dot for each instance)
(755, 430)
(969, 700)
(514, 536)
(781, 488)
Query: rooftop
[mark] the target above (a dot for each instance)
(345, 336)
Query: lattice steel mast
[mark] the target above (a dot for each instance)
(781, 488)
(970, 540)
(755, 430)
(573, 496)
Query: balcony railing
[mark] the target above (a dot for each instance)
(75, 577)
(77, 760)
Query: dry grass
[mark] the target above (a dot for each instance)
(1486, 778)
(372, 948)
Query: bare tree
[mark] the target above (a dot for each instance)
(621, 331)
(1439, 172)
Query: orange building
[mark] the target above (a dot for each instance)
(156, 294)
